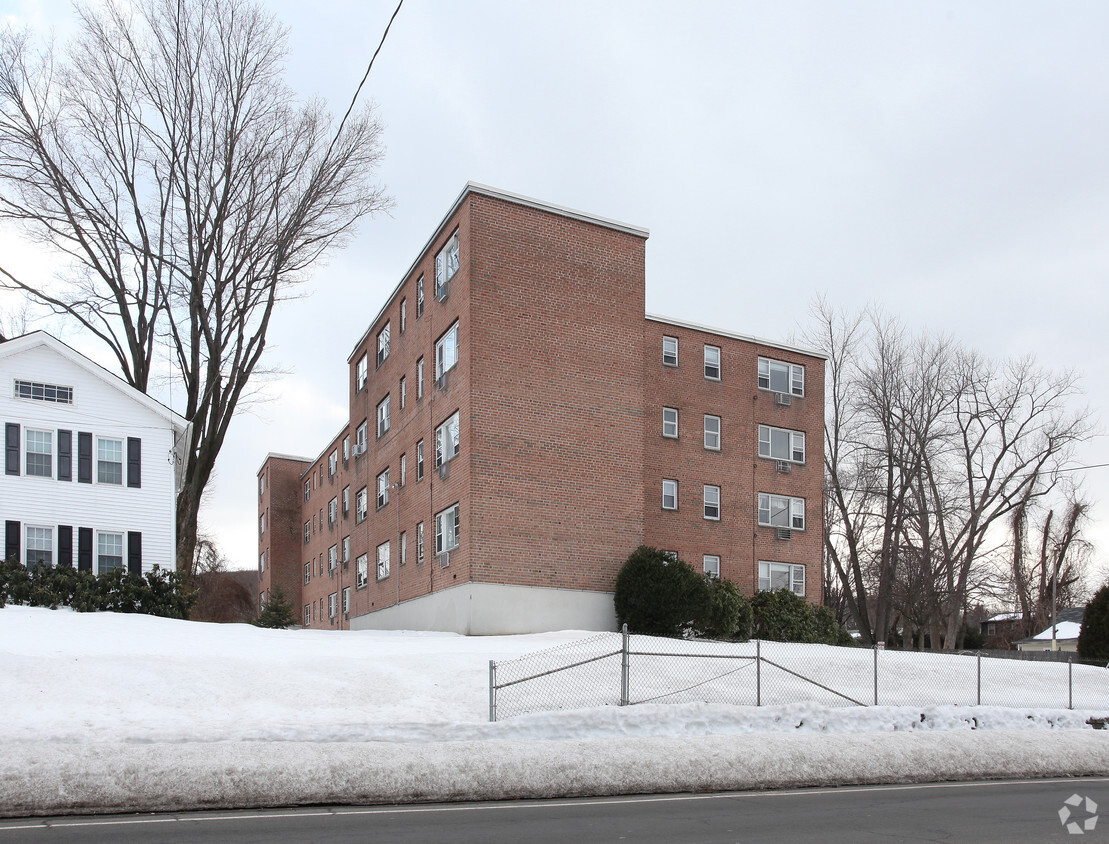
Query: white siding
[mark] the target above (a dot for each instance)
(103, 409)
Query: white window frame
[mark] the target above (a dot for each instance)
(419, 543)
(403, 548)
(361, 504)
(403, 315)
(346, 500)
(403, 469)
(383, 344)
(100, 462)
(44, 534)
(669, 350)
(332, 511)
(419, 297)
(403, 391)
(41, 438)
(670, 422)
(713, 437)
(712, 502)
(333, 605)
(307, 573)
(39, 391)
(307, 615)
(122, 545)
(307, 531)
(346, 449)
(710, 564)
(420, 460)
(307, 490)
(346, 600)
(669, 492)
(383, 560)
(446, 351)
(795, 444)
(346, 550)
(333, 463)
(771, 370)
(447, 440)
(362, 372)
(261, 524)
(447, 262)
(448, 528)
(362, 438)
(383, 417)
(771, 505)
(712, 367)
(262, 562)
(794, 574)
(419, 379)
(332, 557)
(383, 489)
(361, 570)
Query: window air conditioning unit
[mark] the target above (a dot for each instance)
(445, 469)
(444, 559)
(359, 449)
(785, 534)
(784, 467)
(443, 292)
(784, 399)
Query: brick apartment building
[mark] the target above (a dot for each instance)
(518, 426)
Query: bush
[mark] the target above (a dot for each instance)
(658, 596)
(1093, 638)
(782, 616)
(828, 630)
(727, 613)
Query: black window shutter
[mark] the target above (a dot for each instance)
(65, 455)
(84, 549)
(84, 458)
(134, 462)
(134, 552)
(65, 545)
(11, 448)
(11, 541)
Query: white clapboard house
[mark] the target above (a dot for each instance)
(91, 465)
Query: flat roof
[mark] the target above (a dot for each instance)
(773, 344)
(277, 456)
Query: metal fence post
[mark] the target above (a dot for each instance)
(979, 679)
(492, 690)
(1070, 682)
(624, 672)
(875, 675)
(758, 672)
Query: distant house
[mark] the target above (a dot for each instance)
(1002, 630)
(91, 465)
(1066, 631)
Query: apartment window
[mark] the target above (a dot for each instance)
(382, 417)
(346, 450)
(712, 432)
(669, 495)
(40, 454)
(346, 550)
(446, 265)
(346, 600)
(420, 460)
(712, 502)
(109, 461)
(403, 547)
(403, 315)
(781, 377)
(261, 485)
(446, 440)
(307, 531)
(307, 573)
(781, 444)
(361, 504)
(382, 489)
(775, 576)
(446, 352)
(43, 392)
(346, 500)
(262, 562)
(40, 545)
(307, 490)
(361, 437)
(383, 344)
(711, 565)
(261, 524)
(332, 464)
(419, 543)
(420, 378)
(712, 363)
(383, 561)
(361, 571)
(781, 511)
(403, 391)
(670, 351)
(446, 529)
(419, 297)
(307, 615)
(332, 557)
(670, 422)
(332, 511)
(333, 605)
(361, 372)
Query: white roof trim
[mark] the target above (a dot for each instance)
(33, 340)
(749, 339)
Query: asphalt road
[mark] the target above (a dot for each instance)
(1014, 811)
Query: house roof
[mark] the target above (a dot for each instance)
(35, 339)
(1003, 616)
(1063, 630)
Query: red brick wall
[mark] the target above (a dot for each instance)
(282, 540)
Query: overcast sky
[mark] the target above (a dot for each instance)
(946, 161)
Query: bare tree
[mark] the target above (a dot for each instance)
(191, 191)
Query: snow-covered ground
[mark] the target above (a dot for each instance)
(115, 712)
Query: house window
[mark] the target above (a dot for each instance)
(307, 531)
(670, 351)
(711, 565)
(40, 546)
(346, 500)
(712, 432)
(712, 502)
(40, 454)
(383, 561)
(775, 576)
(446, 352)
(781, 444)
(669, 495)
(419, 297)
(332, 605)
(781, 377)
(670, 422)
(383, 344)
(446, 440)
(361, 372)
(420, 460)
(403, 315)
(781, 511)
(446, 529)
(361, 570)
(332, 557)
(43, 392)
(332, 511)
(307, 573)
(361, 505)
(382, 489)
(403, 391)
(109, 552)
(307, 615)
(346, 600)
(383, 417)
(419, 543)
(446, 265)
(307, 490)
(361, 437)
(420, 378)
(712, 363)
(403, 547)
(109, 461)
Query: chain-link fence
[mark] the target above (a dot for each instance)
(614, 669)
